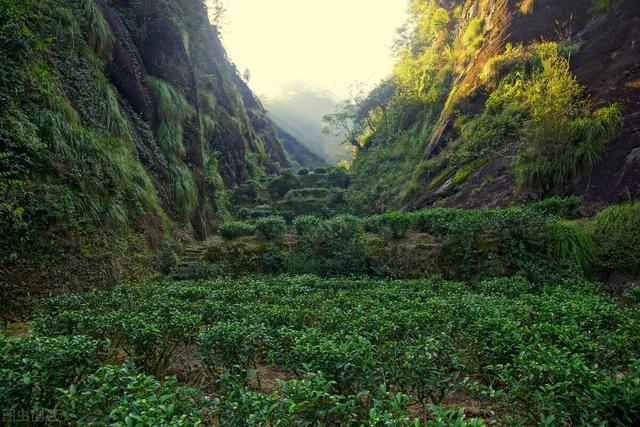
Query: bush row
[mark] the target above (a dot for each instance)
(465, 244)
(525, 352)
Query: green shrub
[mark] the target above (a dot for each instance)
(601, 7)
(271, 227)
(631, 295)
(563, 351)
(339, 177)
(274, 261)
(310, 400)
(168, 258)
(282, 184)
(260, 211)
(305, 225)
(393, 224)
(564, 207)
(347, 360)
(233, 229)
(199, 270)
(510, 287)
(234, 346)
(119, 395)
(33, 369)
(427, 369)
(339, 245)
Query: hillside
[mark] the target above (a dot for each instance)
(122, 125)
(505, 102)
(300, 115)
(298, 152)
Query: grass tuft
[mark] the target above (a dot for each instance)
(184, 191)
(172, 105)
(572, 244)
(171, 140)
(100, 37)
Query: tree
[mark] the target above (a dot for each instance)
(357, 115)
(246, 75)
(343, 123)
(217, 13)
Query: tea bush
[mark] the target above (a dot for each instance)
(271, 227)
(527, 352)
(119, 395)
(234, 229)
(564, 207)
(232, 345)
(305, 225)
(33, 369)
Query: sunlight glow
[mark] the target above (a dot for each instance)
(322, 44)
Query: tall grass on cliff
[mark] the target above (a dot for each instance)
(172, 105)
(173, 110)
(563, 138)
(183, 190)
(100, 38)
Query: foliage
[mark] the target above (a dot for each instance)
(335, 247)
(184, 191)
(616, 233)
(564, 207)
(274, 261)
(34, 368)
(198, 270)
(562, 138)
(601, 7)
(271, 227)
(572, 243)
(305, 225)
(168, 258)
(172, 105)
(527, 352)
(632, 294)
(234, 229)
(119, 395)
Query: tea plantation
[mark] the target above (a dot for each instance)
(305, 350)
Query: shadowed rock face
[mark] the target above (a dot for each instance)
(607, 64)
(148, 42)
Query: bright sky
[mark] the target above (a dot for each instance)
(323, 44)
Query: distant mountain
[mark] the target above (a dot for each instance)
(298, 152)
(300, 115)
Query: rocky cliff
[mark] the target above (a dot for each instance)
(122, 124)
(485, 47)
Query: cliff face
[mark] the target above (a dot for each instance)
(603, 57)
(122, 124)
(178, 45)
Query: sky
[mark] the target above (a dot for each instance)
(324, 45)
